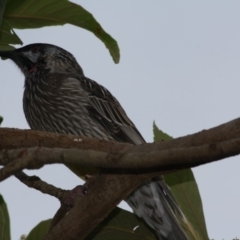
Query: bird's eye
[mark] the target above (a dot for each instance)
(36, 50)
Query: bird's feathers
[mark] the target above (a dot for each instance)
(59, 98)
(153, 200)
(107, 111)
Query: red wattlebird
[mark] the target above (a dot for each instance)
(59, 98)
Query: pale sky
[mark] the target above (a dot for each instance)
(179, 66)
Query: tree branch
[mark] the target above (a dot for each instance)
(107, 190)
(36, 183)
(105, 193)
(171, 160)
(165, 156)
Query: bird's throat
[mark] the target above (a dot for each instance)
(32, 69)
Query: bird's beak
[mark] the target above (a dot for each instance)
(6, 54)
(18, 57)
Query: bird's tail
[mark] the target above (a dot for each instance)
(154, 202)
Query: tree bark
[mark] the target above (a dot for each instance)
(108, 189)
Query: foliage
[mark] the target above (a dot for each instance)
(4, 221)
(120, 224)
(35, 14)
(185, 190)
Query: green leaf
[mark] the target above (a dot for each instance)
(160, 135)
(4, 48)
(122, 225)
(2, 8)
(185, 190)
(38, 232)
(8, 36)
(35, 14)
(1, 119)
(119, 225)
(4, 221)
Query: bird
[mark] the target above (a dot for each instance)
(59, 98)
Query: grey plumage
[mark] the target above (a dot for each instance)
(59, 98)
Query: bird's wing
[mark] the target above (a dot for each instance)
(107, 111)
(152, 200)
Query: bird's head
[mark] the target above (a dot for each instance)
(43, 57)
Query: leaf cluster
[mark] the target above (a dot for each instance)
(26, 14)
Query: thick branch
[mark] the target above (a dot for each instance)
(189, 151)
(89, 212)
(172, 159)
(15, 138)
(106, 190)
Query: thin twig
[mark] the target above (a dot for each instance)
(38, 184)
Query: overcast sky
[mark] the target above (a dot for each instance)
(179, 66)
